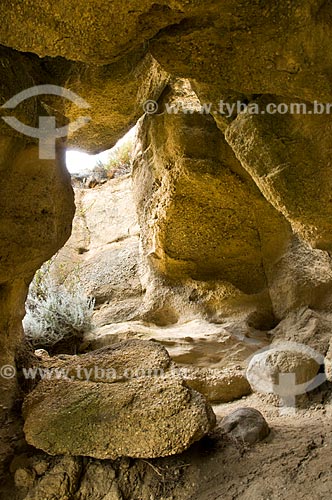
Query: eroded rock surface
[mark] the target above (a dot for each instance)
(103, 251)
(146, 411)
(235, 211)
(200, 218)
(288, 157)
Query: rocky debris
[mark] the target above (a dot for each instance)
(83, 478)
(97, 478)
(60, 478)
(217, 385)
(146, 411)
(246, 426)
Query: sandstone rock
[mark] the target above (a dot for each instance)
(103, 251)
(252, 43)
(140, 418)
(265, 367)
(117, 362)
(24, 478)
(195, 343)
(218, 222)
(30, 233)
(305, 326)
(61, 480)
(99, 479)
(134, 79)
(26, 218)
(328, 359)
(218, 386)
(74, 32)
(301, 278)
(145, 411)
(200, 218)
(247, 426)
(288, 173)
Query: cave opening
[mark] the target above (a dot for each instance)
(187, 305)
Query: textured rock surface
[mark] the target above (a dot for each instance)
(136, 419)
(301, 278)
(115, 93)
(245, 425)
(288, 171)
(61, 477)
(218, 386)
(307, 326)
(35, 195)
(251, 42)
(146, 411)
(265, 368)
(103, 251)
(195, 343)
(199, 218)
(255, 48)
(118, 362)
(234, 226)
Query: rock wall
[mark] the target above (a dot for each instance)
(37, 207)
(235, 212)
(102, 254)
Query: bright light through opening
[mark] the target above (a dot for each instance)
(79, 163)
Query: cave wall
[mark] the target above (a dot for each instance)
(243, 201)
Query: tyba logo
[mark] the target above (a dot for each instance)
(47, 132)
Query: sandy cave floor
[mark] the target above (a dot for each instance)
(294, 462)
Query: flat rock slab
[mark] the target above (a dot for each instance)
(141, 417)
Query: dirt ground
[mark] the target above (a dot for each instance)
(294, 462)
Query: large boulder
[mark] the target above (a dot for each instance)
(285, 359)
(144, 410)
(301, 278)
